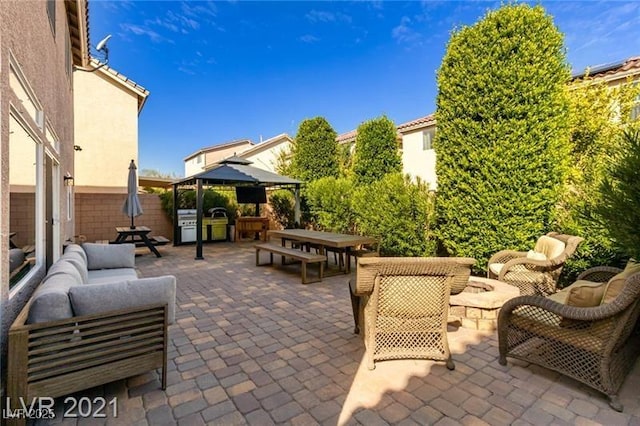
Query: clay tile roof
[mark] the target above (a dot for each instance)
(417, 123)
(611, 71)
(347, 137)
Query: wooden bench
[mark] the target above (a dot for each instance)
(159, 240)
(302, 256)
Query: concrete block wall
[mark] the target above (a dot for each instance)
(97, 216)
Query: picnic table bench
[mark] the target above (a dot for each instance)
(302, 256)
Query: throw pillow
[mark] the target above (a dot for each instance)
(616, 284)
(109, 256)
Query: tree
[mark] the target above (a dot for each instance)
(376, 152)
(503, 139)
(315, 150)
(620, 204)
(598, 116)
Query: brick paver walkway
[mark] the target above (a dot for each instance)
(251, 345)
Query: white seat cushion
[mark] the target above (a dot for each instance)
(496, 268)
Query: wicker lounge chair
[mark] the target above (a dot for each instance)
(536, 271)
(403, 305)
(595, 345)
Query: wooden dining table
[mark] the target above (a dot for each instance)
(323, 239)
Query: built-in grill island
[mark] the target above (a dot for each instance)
(214, 225)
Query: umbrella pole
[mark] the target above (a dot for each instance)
(132, 225)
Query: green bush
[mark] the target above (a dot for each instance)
(598, 115)
(315, 150)
(620, 203)
(503, 139)
(376, 152)
(330, 203)
(282, 204)
(397, 212)
(210, 199)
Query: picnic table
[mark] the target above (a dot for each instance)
(324, 240)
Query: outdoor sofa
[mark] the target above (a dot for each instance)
(91, 321)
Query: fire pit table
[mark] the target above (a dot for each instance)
(478, 305)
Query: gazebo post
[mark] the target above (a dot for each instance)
(296, 207)
(176, 229)
(199, 196)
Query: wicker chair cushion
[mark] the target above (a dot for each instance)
(582, 293)
(550, 247)
(534, 255)
(616, 284)
(496, 267)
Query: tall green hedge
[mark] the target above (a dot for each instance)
(376, 152)
(598, 115)
(502, 141)
(315, 150)
(620, 203)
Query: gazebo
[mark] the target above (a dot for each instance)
(233, 171)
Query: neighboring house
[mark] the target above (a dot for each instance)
(40, 43)
(206, 157)
(107, 105)
(418, 155)
(415, 142)
(265, 155)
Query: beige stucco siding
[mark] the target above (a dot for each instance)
(268, 159)
(416, 161)
(106, 128)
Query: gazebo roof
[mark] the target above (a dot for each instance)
(229, 172)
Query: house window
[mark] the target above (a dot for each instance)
(635, 110)
(199, 159)
(51, 12)
(26, 194)
(427, 139)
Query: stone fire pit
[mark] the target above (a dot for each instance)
(477, 306)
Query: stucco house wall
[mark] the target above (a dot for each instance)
(206, 157)
(265, 154)
(106, 128)
(417, 161)
(35, 75)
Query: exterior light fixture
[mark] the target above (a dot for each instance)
(77, 148)
(68, 180)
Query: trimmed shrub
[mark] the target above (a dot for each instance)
(503, 139)
(376, 153)
(397, 212)
(598, 115)
(330, 203)
(282, 204)
(620, 204)
(315, 150)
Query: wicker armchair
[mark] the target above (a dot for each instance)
(530, 275)
(403, 304)
(597, 346)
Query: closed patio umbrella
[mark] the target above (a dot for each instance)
(132, 206)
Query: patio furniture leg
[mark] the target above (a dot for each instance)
(304, 272)
(355, 306)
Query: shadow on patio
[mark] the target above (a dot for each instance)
(251, 345)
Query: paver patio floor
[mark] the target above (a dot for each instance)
(252, 345)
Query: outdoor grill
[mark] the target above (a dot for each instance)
(214, 228)
(187, 221)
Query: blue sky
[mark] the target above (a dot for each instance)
(225, 70)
